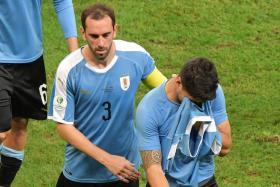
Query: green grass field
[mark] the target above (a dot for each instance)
(241, 36)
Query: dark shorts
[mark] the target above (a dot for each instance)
(64, 182)
(23, 92)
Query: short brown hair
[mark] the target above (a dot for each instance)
(97, 12)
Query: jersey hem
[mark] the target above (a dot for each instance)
(60, 120)
(87, 180)
(21, 61)
(149, 148)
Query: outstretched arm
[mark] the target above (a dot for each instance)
(152, 166)
(118, 165)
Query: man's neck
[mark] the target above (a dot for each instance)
(170, 90)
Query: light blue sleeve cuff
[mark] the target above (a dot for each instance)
(65, 12)
(11, 152)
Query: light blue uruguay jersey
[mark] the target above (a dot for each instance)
(21, 28)
(154, 116)
(100, 104)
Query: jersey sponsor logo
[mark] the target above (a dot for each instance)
(85, 92)
(108, 89)
(59, 102)
(125, 82)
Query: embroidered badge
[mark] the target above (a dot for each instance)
(59, 102)
(125, 82)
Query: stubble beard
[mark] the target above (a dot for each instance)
(101, 58)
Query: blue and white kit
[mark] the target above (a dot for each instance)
(100, 104)
(155, 116)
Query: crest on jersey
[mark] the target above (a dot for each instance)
(125, 82)
(59, 102)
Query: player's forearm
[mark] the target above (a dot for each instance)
(118, 165)
(74, 137)
(152, 166)
(156, 177)
(226, 145)
(72, 44)
(225, 131)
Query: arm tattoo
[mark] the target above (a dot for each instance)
(151, 157)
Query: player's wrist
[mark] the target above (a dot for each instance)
(105, 158)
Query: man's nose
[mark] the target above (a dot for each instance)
(100, 41)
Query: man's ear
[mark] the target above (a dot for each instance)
(116, 27)
(82, 31)
(178, 80)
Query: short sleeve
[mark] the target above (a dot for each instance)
(62, 104)
(149, 65)
(147, 128)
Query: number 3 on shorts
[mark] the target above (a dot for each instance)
(43, 93)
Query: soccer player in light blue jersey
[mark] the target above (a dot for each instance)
(92, 102)
(23, 88)
(155, 115)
